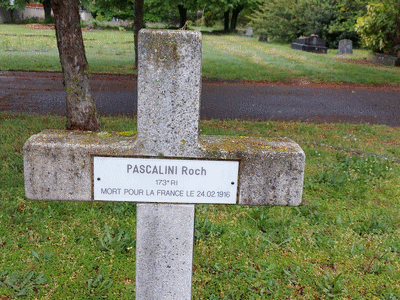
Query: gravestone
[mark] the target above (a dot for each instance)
(167, 167)
(249, 32)
(385, 59)
(345, 47)
(263, 37)
(313, 43)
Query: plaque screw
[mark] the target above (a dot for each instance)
(232, 183)
(98, 179)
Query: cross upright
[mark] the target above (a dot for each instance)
(167, 167)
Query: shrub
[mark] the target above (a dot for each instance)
(379, 28)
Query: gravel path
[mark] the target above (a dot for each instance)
(42, 93)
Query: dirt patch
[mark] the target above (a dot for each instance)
(40, 26)
(5, 97)
(28, 35)
(304, 82)
(363, 62)
(48, 26)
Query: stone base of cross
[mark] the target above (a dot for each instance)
(167, 167)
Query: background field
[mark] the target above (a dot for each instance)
(224, 56)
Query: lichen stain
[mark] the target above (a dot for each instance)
(127, 133)
(59, 136)
(244, 144)
(161, 47)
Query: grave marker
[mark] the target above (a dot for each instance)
(249, 32)
(167, 153)
(313, 43)
(345, 47)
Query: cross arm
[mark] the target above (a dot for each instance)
(58, 165)
(271, 169)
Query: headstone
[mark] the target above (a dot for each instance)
(345, 47)
(385, 59)
(68, 165)
(263, 37)
(249, 32)
(313, 43)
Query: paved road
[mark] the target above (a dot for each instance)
(34, 92)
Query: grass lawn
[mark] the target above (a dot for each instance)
(343, 242)
(224, 56)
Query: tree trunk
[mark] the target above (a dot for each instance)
(12, 10)
(138, 24)
(81, 109)
(47, 10)
(235, 14)
(182, 15)
(226, 20)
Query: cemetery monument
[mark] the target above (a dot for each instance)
(345, 47)
(313, 43)
(167, 167)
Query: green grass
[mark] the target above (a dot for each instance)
(22, 48)
(246, 58)
(343, 242)
(224, 56)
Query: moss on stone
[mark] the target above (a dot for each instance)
(246, 144)
(84, 137)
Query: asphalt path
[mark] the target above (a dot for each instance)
(42, 93)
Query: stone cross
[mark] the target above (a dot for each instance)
(84, 166)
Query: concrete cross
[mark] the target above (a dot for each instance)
(65, 165)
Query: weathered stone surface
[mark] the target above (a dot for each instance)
(169, 85)
(249, 32)
(271, 169)
(385, 59)
(164, 272)
(57, 163)
(345, 47)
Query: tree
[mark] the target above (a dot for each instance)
(280, 20)
(137, 25)
(318, 16)
(47, 10)
(343, 26)
(11, 6)
(81, 109)
(379, 28)
(235, 14)
(230, 9)
(108, 9)
(285, 20)
(226, 20)
(182, 15)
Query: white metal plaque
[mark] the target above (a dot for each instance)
(165, 180)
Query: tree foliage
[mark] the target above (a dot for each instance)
(108, 9)
(18, 4)
(346, 17)
(285, 20)
(280, 20)
(11, 7)
(379, 28)
(228, 10)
